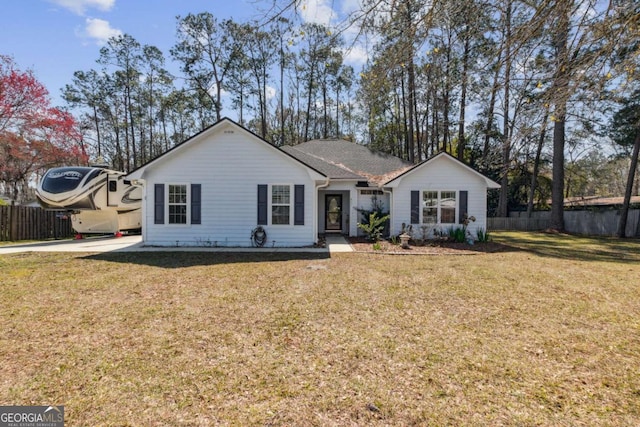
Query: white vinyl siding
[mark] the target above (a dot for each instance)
(230, 163)
(440, 175)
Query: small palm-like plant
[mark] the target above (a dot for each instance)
(374, 227)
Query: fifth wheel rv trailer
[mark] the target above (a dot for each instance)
(99, 200)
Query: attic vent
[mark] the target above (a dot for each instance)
(228, 131)
(362, 184)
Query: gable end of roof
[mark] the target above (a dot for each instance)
(490, 183)
(225, 120)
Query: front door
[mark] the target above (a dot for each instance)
(333, 212)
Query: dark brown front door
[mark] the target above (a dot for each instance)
(333, 212)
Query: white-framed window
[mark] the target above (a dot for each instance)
(439, 207)
(177, 203)
(281, 204)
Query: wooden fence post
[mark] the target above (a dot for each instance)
(13, 223)
(3, 223)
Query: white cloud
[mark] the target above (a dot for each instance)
(350, 6)
(323, 12)
(317, 11)
(79, 7)
(356, 55)
(100, 30)
(271, 92)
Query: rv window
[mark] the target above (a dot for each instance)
(113, 186)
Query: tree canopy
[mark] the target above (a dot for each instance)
(517, 89)
(33, 135)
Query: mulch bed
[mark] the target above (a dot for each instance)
(361, 244)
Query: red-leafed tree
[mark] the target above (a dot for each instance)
(33, 135)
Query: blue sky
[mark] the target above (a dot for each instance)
(54, 38)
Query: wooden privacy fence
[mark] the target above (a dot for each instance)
(28, 223)
(590, 222)
(518, 224)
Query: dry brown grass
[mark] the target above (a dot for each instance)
(520, 337)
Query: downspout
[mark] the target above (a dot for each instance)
(390, 193)
(315, 211)
(143, 214)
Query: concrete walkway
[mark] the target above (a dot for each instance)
(337, 243)
(134, 244)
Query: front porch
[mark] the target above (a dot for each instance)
(339, 208)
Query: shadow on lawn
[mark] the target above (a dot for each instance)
(191, 259)
(572, 247)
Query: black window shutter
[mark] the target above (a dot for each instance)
(196, 203)
(464, 195)
(158, 203)
(415, 207)
(298, 218)
(262, 204)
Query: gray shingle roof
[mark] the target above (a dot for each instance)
(329, 169)
(342, 159)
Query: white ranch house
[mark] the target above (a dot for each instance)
(218, 186)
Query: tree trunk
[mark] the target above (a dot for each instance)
(134, 150)
(560, 100)
(424, 153)
(97, 123)
(151, 142)
(164, 132)
(337, 111)
(265, 112)
(463, 95)
(127, 160)
(411, 148)
(503, 203)
(435, 127)
(309, 97)
(490, 110)
(624, 213)
(325, 116)
(241, 106)
(446, 141)
(418, 139)
(282, 59)
(536, 164)
(557, 188)
(404, 153)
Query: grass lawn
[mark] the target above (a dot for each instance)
(544, 333)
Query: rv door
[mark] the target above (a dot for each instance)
(112, 190)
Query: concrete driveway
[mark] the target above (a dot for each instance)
(134, 244)
(91, 244)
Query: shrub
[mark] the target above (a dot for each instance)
(457, 234)
(374, 227)
(377, 207)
